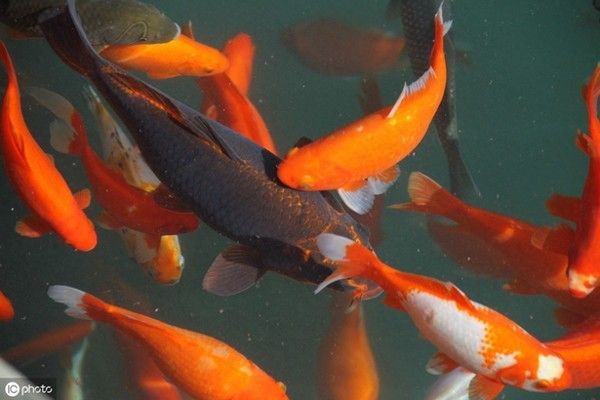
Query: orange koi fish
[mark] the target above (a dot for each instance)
(7, 312)
(359, 160)
(346, 366)
(584, 253)
(35, 178)
(181, 56)
(124, 205)
(466, 333)
(202, 366)
(47, 343)
(231, 105)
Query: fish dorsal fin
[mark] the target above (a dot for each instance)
(557, 239)
(235, 270)
(458, 296)
(440, 364)
(301, 142)
(482, 388)
(411, 89)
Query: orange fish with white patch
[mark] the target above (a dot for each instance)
(35, 178)
(181, 56)
(202, 366)
(466, 333)
(123, 204)
(7, 312)
(359, 160)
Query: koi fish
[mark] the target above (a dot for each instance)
(123, 204)
(346, 367)
(7, 312)
(584, 252)
(228, 180)
(202, 366)
(105, 22)
(47, 343)
(466, 333)
(359, 160)
(415, 16)
(233, 108)
(72, 382)
(36, 180)
(181, 56)
(333, 47)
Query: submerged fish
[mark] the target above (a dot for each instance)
(7, 312)
(229, 181)
(104, 21)
(334, 47)
(419, 34)
(72, 382)
(202, 366)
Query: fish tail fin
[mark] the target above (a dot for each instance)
(462, 183)
(429, 197)
(79, 304)
(351, 259)
(441, 27)
(10, 68)
(63, 31)
(68, 132)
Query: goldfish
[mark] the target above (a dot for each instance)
(105, 22)
(231, 105)
(202, 366)
(160, 256)
(181, 56)
(226, 179)
(7, 312)
(47, 343)
(359, 160)
(466, 333)
(584, 252)
(36, 180)
(346, 366)
(419, 34)
(334, 47)
(123, 204)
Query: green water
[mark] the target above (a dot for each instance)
(518, 106)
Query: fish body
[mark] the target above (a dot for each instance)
(370, 148)
(228, 181)
(7, 312)
(415, 16)
(72, 382)
(36, 180)
(181, 56)
(584, 254)
(124, 205)
(333, 47)
(105, 21)
(466, 333)
(202, 366)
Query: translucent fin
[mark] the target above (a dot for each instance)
(70, 297)
(61, 137)
(233, 271)
(360, 201)
(32, 226)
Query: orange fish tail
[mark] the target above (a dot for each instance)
(81, 304)
(10, 68)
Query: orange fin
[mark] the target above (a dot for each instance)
(440, 364)
(482, 388)
(557, 239)
(235, 270)
(565, 207)
(158, 75)
(586, 144)
(458, 296)
(393, 302)
(107, 221)
(83, 198)
(32, 226)
(382, 181)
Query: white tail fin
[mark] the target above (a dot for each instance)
(58, 105)
(333, 246)
(70, 297)
(61, 136)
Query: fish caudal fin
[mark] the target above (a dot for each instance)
(361, 199)
(10, 68)
(428, 196)
(72, 298)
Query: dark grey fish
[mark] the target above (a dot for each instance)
(105, 22)
(227, 180)
(417, 17)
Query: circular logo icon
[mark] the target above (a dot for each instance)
(12, 389)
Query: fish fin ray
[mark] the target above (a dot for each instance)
(440, 363)
(409, 90)
(233, 271)
(381, 182)
(32, 226)
(62, 137)
(482, 388)
(83, 198)
(358, 200)
(54, 102)
(72, 298)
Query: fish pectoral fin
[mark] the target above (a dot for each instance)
(235, 270)
(83, 198)
(107, 221)
(165, 198)
(483, 388)
(458, 296)
(393, 301)
(381, 182)
(358, 197)
(32, 226)
(557, 239)
(159, 75)
(565, 207)
(440, 364)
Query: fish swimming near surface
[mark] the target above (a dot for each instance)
(228, 181)
(36, 180)
(124, 205)
(415, 15)
(466, 333)
(360, 160)
(105, 22)
(7, 312)
(334, 47)
(204, 367)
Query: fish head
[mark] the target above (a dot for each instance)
(302, 169)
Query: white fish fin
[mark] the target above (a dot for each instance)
(451, 386)
(70, 297)
(397, 103)
(61, 136)
(333, 246)
(381, 182)
(439, 14)
(447, 26)
(360, 201)
(233, 271)
(57, 104)
(412, 88)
